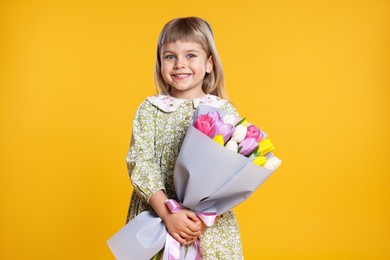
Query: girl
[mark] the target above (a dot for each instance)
(188, 72)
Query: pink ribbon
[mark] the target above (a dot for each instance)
(173, 249)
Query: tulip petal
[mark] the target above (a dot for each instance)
(205, 124)
(219, 139)
(223, 128)
(232, 146)
(266, 146)
(248, 146)
(239, 133)
(273, 163)
(230, 119)
(260, 160)
(214, 115)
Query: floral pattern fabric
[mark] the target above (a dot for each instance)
(159, 127)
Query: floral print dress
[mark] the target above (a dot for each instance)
(159, 127)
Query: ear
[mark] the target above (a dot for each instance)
(210, 64)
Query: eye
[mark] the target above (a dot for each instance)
(169, 57)
(191, 55)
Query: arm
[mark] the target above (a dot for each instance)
(147, 181)
(142, 165)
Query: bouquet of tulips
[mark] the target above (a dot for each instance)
(210, 178)
(235, 134)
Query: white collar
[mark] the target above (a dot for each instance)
(167, 103)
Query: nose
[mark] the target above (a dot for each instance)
(179, 63)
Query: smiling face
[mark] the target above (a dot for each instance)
(184, 66)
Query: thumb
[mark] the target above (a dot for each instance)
(191, 215)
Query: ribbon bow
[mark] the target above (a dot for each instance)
(172, 249)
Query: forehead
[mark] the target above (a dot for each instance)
(182, 46)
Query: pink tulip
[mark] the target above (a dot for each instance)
(226, 130)
(214, 115)
(254, 132)
(205, 124)
(248, 145)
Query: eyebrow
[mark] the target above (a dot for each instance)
(169, 51)
(192, 50)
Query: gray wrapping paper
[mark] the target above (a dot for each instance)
(139, 239)
(207, 178)
(211, 178)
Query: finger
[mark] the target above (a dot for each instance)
(193, 225)
(189, 228)
(193, 229)
(185, 240)
(179, 239)
(187, 233)
(192, 216)
(189, 242)
(187, 237)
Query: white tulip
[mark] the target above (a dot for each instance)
(239, 133)
(230, 119)
(272, 163)
(232, 145)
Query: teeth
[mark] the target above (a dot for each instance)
(181, 75)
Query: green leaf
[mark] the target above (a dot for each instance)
(240, 122)
(159, 255)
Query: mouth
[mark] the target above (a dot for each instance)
(181, 76)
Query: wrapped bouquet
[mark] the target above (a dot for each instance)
(237, 136)
(222, 161)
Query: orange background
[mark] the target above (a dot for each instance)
(312, 74)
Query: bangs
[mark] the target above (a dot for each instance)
(185, 31)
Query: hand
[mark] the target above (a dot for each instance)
(184, 226)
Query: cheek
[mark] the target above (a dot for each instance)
(200, 67)
(164, 70)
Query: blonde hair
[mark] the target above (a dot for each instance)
(192, 29)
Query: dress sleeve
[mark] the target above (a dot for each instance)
(142, 165)
(228, 107)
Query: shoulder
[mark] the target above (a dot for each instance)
(210, 100)
(145, 106)
(228, 107)
(164, 102)
(145, 111)
(220, 103)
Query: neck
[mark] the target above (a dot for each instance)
(186, 95)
